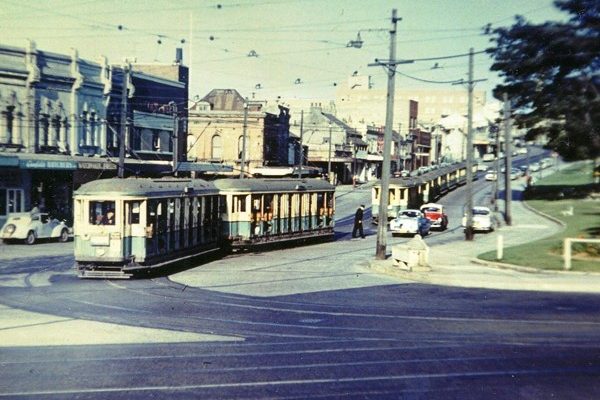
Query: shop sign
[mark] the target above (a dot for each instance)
(96, 165)
(47, 164)
(9, 162)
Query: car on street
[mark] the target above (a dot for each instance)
(522, 150)
(534, 167)
(32, 226)
(410, 222)
(523, 169)
(491, 176)
(515, 173)
(483, 220)
(488, 157)
(436, 215)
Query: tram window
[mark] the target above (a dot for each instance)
(239, 203)
(376, 193)
(134, 212)
(392, 196)
(102, 213)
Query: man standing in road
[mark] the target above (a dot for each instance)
(358, 222)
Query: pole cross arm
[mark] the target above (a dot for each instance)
(379, 62)
(462, 81)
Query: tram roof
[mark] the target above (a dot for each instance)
(273, 185)
(421, 179)
(145, 187)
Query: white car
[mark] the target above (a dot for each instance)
(30, 227)
(491, 176)
(483, 220)
(410, 222)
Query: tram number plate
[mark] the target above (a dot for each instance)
(99, 241)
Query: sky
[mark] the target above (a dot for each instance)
(270, 49)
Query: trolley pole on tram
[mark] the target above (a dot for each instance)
(380, 251)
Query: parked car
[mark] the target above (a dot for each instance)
(522, 150)
(515, 173)
(491, 176)
(534, 167)
(410, 222)
(483, 220)
(31, 226)
(488, 157)
(435, 214)
(546, 162)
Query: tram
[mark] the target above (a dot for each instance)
(125, 226)
(414, 191)
(259, 212)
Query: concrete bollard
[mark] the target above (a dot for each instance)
(412, 255)
(499, 247)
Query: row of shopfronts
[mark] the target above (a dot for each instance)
(62, 119)
(48, 182)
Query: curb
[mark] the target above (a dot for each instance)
(387, 267)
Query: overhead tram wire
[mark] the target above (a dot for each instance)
(427, 80)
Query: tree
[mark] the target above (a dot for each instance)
(551, 75)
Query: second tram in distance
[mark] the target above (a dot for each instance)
(414, 191)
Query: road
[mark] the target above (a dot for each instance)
(305, 322)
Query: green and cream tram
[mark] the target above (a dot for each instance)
(412, 192)
(124, 225)
(267, 211)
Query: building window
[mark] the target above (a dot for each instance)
(11, 201)
(147, 141)
(216, 147)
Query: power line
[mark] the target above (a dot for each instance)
(427, 80)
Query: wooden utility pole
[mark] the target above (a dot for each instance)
(380, 251)
(245, 126)
(469, 234)
(507, 161)
(469, 226)
(123, 125)
(301, 148)
(175, 138)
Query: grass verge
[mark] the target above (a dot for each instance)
(557, 195)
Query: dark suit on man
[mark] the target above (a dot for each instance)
(358, 223)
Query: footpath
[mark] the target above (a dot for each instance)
(455, 263)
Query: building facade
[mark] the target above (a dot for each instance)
(226, 129)
(60, 127)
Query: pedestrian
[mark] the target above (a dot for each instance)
(358, 222)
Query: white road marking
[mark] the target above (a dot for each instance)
(468, 374)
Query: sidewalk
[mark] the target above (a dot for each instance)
(455, 263)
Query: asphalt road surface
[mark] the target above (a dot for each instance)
(299, 323)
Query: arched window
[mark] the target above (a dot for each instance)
(216, 147)
(241, 147)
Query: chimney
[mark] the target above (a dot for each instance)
(178, 55)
